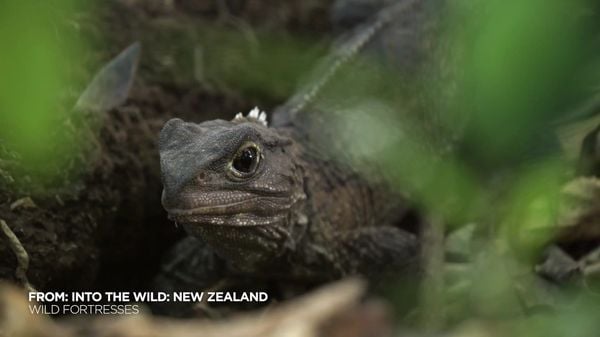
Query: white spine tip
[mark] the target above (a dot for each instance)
(254, 113)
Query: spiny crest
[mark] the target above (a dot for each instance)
(255, 115)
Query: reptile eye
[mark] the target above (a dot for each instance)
(245, 161)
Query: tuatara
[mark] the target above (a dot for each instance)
(271, 201)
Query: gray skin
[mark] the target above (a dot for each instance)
(294, 216)
(301, 213)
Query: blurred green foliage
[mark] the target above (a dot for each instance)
(487, 150)
(259, 63)
(37, 50)
(525, 65)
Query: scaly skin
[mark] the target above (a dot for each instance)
(297, 216)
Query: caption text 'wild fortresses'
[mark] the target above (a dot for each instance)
(118, 302)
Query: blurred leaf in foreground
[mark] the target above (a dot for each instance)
(36, 52)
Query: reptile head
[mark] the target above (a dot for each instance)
(236, 184)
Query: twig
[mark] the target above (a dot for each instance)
(342, 55)
(21, 253)
(432, 306)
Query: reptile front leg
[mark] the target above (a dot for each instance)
(371, 250)
(190, 266)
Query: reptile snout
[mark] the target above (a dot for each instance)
(168, 131)
(167, 146)
(187, 153)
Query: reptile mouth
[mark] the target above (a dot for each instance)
(246, 210)
(235, 220)
(244, 226)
